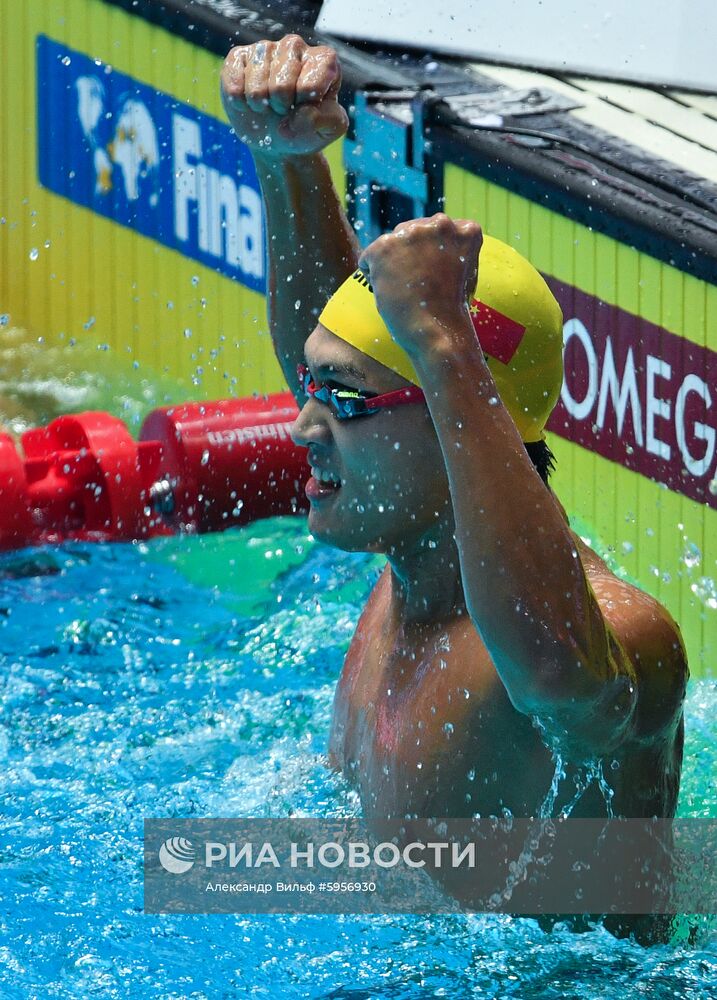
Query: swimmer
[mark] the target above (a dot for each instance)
(493, 632)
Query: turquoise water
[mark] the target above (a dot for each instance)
(195, 676)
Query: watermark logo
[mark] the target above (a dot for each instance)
(149, 162)
(433, 865)
(177, 855)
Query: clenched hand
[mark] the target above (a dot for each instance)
(282, 97)
(423, 275)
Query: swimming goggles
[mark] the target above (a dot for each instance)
(349, 403)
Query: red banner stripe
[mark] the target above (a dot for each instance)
(498, 334)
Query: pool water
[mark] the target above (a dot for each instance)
(195, 676)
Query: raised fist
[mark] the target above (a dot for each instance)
(281, 97)
(423, 274)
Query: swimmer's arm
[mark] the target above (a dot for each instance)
(311, 251)
(524, 583)
(525, 586)
(282, 100)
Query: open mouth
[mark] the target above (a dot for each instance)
(322, 484)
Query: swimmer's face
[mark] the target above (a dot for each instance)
(394, 487)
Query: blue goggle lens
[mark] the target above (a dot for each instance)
(345, 403)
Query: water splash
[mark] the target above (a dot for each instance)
(140, 693)
(69, 376)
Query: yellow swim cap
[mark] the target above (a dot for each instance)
(516, 317)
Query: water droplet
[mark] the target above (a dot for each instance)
(34, 253)
(187, 332)
(4, 319)
(706, 590)
(66, 60)
(195, 280)
(90, 323)
(691, 555)
(205, 457)
(448, 728)
(493, 401)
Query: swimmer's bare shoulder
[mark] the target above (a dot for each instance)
(653, 642)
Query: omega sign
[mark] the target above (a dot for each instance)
(637, 394)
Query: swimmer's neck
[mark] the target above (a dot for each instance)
(425, 579)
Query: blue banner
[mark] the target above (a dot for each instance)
(138, 156)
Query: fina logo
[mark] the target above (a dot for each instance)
(133, 147)
(177, 855)
(147, 161)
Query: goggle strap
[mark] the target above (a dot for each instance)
(411, 394)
